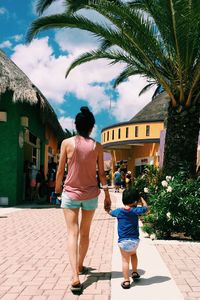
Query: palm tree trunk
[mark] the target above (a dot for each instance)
(181, 141)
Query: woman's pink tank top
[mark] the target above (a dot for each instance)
(81, 182)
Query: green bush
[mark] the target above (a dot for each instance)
(147, 182)
(175, 207)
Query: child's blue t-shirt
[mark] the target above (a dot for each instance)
(128, 225)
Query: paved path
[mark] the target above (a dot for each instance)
(155, 283)
(34, 264)
(183, 261)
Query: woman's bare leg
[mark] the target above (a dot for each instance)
(85, 225)
(71, 218)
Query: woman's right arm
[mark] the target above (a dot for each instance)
(61, 168)
(102, 177)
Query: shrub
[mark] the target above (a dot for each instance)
(147, 183)
(174, 208)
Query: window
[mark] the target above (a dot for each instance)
(147, 130)
(32, 138)
(119, 133)
(126, 132)
(3, 116)
(104, 137)
(107, 135)
(113, 135)
(136, 131)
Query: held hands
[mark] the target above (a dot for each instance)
(107, 203)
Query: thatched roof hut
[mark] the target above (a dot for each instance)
(156, 110)
(13, 79)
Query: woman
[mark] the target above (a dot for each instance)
(80, 190)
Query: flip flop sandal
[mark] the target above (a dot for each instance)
(124, 285)
(83, 271)
(135, 275)
(77, 287)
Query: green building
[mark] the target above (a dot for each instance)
(25, 119)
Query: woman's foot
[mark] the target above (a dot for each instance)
(83, 270)
(76, 287)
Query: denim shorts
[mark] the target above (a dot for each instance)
(129, 245)
(68, 202)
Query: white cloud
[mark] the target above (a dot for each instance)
(94, 132)
(75, 41)
(47, 72)
(67, 123)
(3, 11)
(129, 102)
(6, 44)
(17, 37)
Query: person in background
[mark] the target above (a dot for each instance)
(51, 177)
(128, 179)
(33, 174)
(117, 180)
(80, 191)
(128, 231)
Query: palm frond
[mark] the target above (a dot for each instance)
(146, 88)
(76, 5)
(113, 56)
(158, 39)
(125, 74)
(42, 5)
(158, 91)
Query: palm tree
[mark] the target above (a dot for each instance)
(157, 39)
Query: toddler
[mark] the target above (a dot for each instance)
(128, 231)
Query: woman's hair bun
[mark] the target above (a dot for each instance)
(85, 110)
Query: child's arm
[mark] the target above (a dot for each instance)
(142, 207)
(142, 202)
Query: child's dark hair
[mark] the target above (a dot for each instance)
(84, 121)
(130, 196)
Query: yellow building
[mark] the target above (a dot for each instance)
(136, 142)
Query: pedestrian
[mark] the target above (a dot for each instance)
(123, 177)
(128, 231)
(128, 179)
(80, 190)
(117, 180)
(51, 177)
(41, 186)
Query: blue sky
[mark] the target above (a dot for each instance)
(47, 58)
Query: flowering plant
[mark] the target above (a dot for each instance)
(174, 208)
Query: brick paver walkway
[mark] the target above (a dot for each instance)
(183, 262)
(34, 263)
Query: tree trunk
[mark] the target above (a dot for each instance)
(181, 141)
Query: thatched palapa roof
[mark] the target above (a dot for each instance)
(156, 110)
(15, 80)
(12, 78)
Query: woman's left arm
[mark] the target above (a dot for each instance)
(61, 168)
